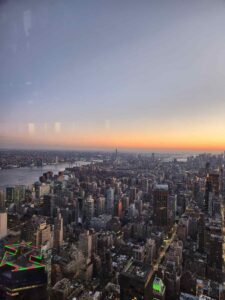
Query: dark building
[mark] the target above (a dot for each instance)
(10, 194)
(215, 258)
(160, 205)
(181, 203)
(201, 233)
(48, 206)
(136, 281)
(214, 179)
(208, 190)
(22, 273)
(212, 186)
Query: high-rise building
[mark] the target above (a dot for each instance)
(145, 185)
(3, 225)
(135, 282)
(89, 208)
(3, 215)
(212, 187)
(160, 205)
(110, 201)
(119, 209)
(125, 202)
(58, 231)
(133, 193)
(215, 256)
(139, 205)
(43, 234)
(15, 194)
(158, 289)
(201, 233)
(48, 206)
(100, 206)
(208, 193)
(86, 243)
(22, 273)
(2, 200)
(181, 203)
(42, 189)
(150, 248)
(214, 178)
(10, 194)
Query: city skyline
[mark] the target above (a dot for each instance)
(91, 75)
(112, 150)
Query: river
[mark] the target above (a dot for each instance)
(28, 175)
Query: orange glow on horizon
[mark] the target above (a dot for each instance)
(124, 141)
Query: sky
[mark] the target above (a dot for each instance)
(97, 74)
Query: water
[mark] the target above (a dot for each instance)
(28, 175)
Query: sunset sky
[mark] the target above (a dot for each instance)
(97, 74)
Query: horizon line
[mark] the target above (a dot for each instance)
(111, 149)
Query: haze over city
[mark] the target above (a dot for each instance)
(101, 75)
(112, 150)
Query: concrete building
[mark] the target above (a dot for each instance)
(3, 225)
(85, 243)
(43, 235)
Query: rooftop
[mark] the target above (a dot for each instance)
(135, 269)
(163, 187)
(22, 256)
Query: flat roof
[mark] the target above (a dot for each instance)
(134, 269)
(163, 187)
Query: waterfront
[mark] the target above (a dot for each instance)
(28, 175)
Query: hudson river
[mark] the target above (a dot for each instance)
(27, 176)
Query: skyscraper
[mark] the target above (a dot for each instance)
(58, 231)
(9, 194)
(89, 208)
(100, 206)
(3, 224)
(212, 187)
(86, 243)
(15, 194)
(3, 215)
(110, 201)
(215, 258)
(201, 233)
(160, 205)
(2, 200)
